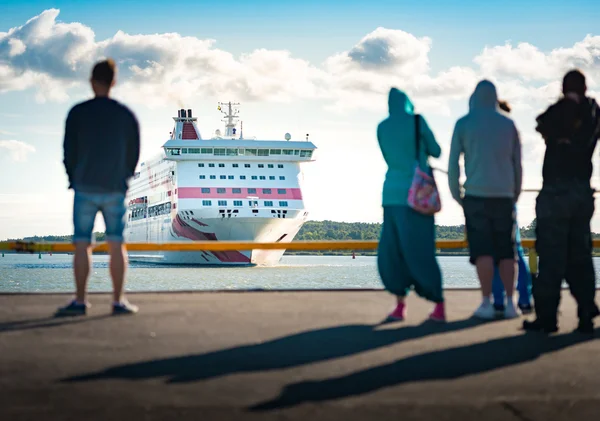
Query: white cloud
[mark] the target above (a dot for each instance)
(17, 150)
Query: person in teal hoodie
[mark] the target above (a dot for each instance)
(406, 255)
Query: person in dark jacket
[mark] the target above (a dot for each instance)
(101, 151)
(565, 206)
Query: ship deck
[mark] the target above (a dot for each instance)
(287, 356)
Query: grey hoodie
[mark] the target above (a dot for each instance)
(492, 150)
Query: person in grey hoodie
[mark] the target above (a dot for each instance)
(490, 143)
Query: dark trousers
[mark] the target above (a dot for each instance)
(564, 245)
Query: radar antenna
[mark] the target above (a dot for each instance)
(231, 111)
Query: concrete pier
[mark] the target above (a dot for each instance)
(288, 356)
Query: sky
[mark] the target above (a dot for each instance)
(319, 67)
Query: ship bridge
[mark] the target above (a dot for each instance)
(186, 143)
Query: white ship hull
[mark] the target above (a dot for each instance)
(218, 229)
(217, 190)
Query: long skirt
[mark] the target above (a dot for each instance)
(406, 254)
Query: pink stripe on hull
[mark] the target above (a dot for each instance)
(196, 193)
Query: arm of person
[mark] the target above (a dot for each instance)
(456, 150)
(133, 148)
(432, 147)
(517, 165)
(70, 146)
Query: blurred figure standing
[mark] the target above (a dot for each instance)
(565, 207)
(101, 151)
(492, 153)
(406, 255)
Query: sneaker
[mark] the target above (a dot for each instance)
(124, 307)
(439, 313)
(398, 313)
(510, 312)
(485, 311)
(72, 309)
(499, 309)
(538, 326)
(526, 308)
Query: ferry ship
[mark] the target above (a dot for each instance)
(224, 188)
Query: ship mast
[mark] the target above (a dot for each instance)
(231, 114)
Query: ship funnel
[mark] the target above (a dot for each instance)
(182, 113)
(189, 114)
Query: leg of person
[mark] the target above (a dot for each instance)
(479, 233)
(113, 211)
(580, 273)
(84, 214)
(552, 235)
(502, 213)
(417, 239)
(498, 292)
(523, 283)
(391, 263)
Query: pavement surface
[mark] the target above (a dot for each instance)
(288, 356)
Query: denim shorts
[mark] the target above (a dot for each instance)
(85, 208)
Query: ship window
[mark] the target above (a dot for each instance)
(250, 152)
(220, 151)
(247, 165)
(254, 177)
(184, 150)
(283, 204)
(230, 177)
(206, 203)
(281, 191)
(222, 202)
(213, 177)
(205, 190)
(235, 165)
(232, 152)
(223, 177)
(270, 165)
(268, 203)
(251, 191)
(263, 152)
(193, 150)
(266, 191)
(221, 191)
(206, 151)
(236, 191)
(288, 152)
(221, 165)
(275, 151)
(242, 177)
(202, 177)
(282, 177)
(262, 177)
(211, 165)
(296, 152)
(261, 165)
(280, 166)
(305, 154)
(201, 165)
(271, 177)
(237, 203)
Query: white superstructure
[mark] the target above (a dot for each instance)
(224, 188)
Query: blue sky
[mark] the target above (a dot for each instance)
(438, 50)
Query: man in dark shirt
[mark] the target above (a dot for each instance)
(565, 206)
(101, 151)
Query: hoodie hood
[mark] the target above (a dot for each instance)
(484, 96)
(399, 103)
